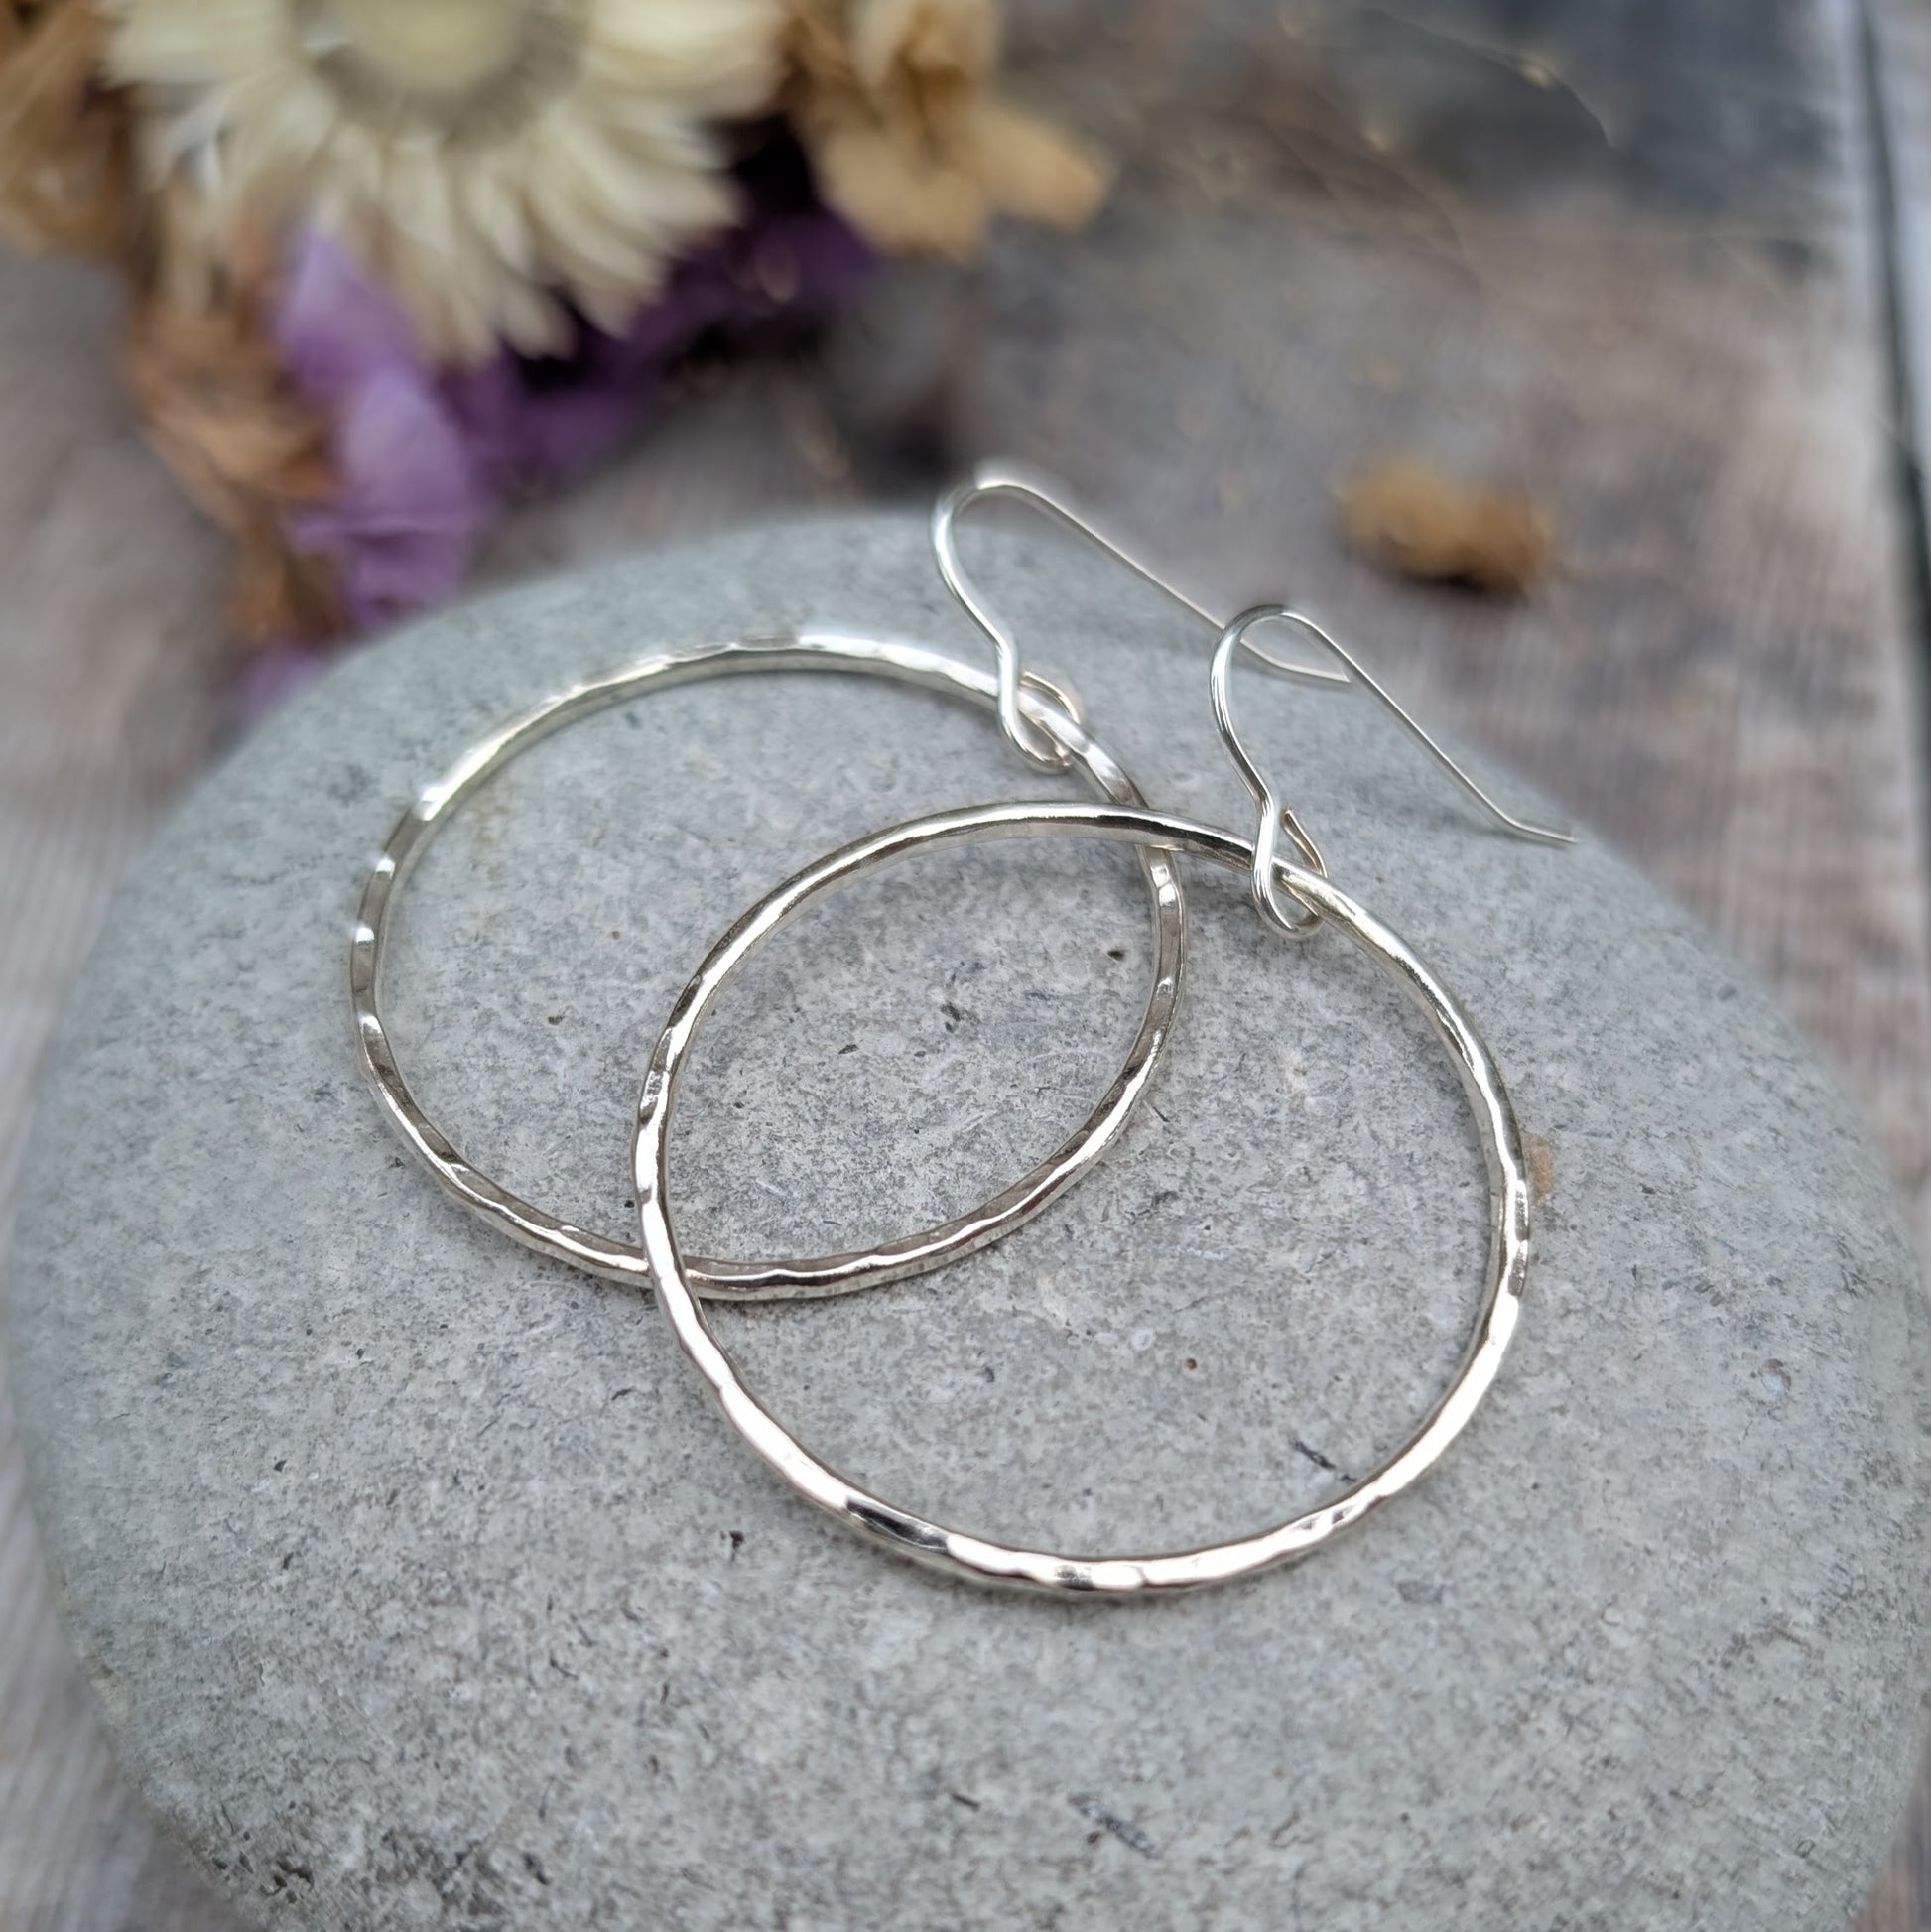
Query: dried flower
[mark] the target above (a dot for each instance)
(426, 457)
(1408, 517)
(791, 262)
(223, 416)
(404, 525)
(63, 137)
(892, 98)
(494, 163)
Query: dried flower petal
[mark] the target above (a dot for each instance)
(1033, 171)
(905, 199)
(1409, 518)
(891, 98)
(64, 174)
(425, 457)
(494, 163)
(223, 416)
(935, 54)
(410, 511)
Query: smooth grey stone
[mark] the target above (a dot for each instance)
(422, 1586)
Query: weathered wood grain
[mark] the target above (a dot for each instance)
(1896, 44)
(1623, 254)
(108, 632)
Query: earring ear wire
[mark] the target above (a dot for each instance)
(1028, 727)
(1055, 502)
(1276, 817)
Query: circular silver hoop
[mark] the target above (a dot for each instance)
(973, 1555)
(834, 1274)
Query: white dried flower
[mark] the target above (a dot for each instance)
(488, 160)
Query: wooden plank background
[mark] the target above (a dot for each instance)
(1634, 257)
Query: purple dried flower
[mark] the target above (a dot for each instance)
(426, 457)
(410, 507)
(538, 421)
(334, 328)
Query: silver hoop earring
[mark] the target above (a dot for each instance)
(1047, 710)
(1293, 899)
(976, 1557)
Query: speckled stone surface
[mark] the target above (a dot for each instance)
(422, 1587)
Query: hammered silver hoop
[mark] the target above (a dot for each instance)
(833, 1274)
(975, 1556)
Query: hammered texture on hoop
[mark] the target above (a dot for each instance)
(976, 1557)
(831, 1274)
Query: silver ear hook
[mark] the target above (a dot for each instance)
(1050, 499)
(1276, 818)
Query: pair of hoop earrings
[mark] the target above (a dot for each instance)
(1043, 723)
